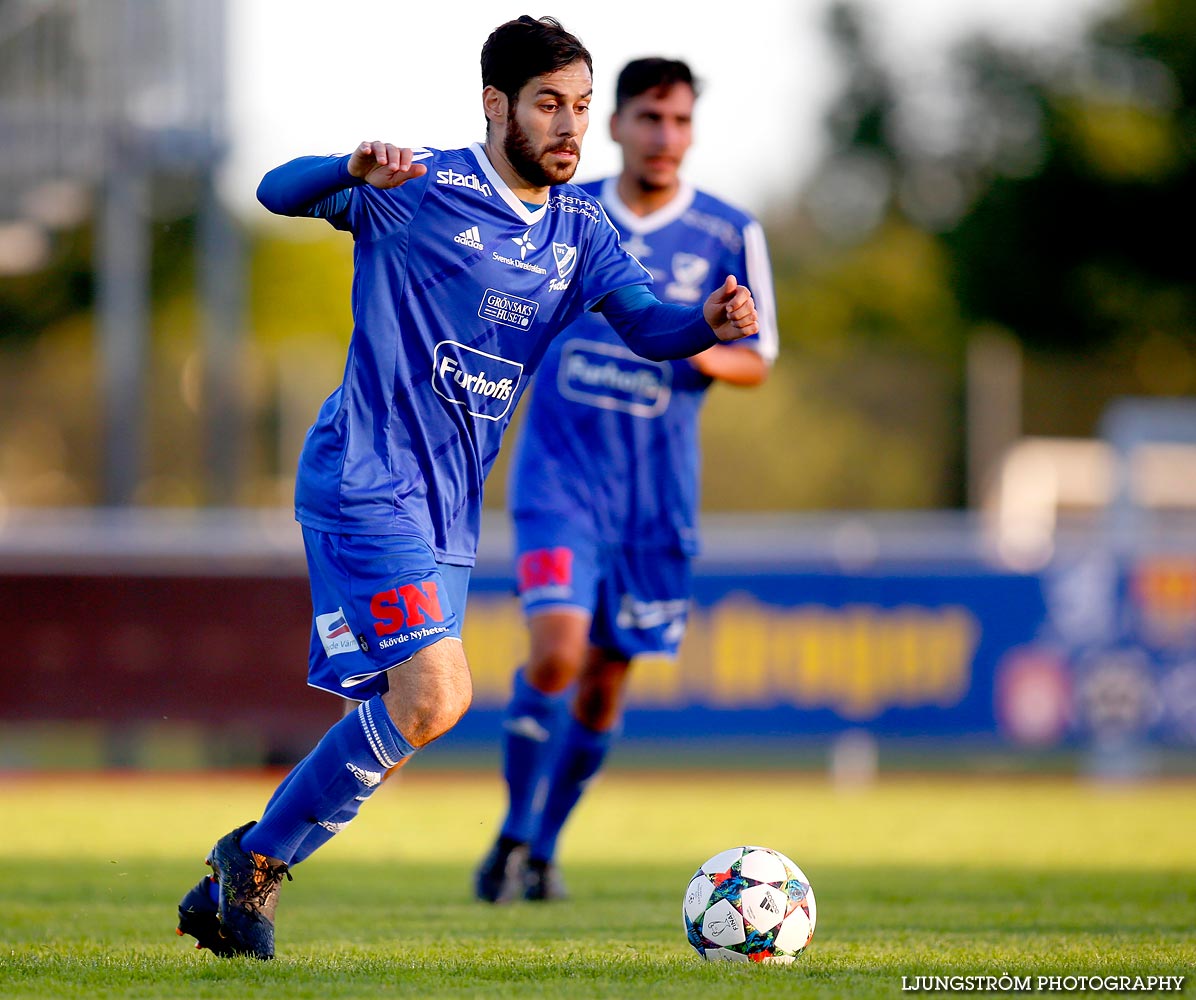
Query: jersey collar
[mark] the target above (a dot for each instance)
(524, 213)
(671, 212)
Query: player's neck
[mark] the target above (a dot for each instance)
(518, 184)
(641, 200)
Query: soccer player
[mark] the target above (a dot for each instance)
(604, 485)
(467, 262)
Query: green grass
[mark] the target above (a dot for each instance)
(913, 878)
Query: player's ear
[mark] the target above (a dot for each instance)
(494, 103)
(614, 126)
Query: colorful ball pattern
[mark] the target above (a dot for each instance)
(749, 904)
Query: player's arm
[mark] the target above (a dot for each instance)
(734, 364)
(661, 331)
(748, 364)
(319, 186)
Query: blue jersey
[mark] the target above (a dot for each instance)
(611, 440)
(458, 289)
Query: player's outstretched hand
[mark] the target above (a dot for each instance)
(382, 165)
(731, 311)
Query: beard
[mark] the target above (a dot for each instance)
(517, 146)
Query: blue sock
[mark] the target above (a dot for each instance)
(329, 783)
(531, 725)
(325, 830)
(581, 755)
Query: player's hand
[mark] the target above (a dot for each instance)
(382, 165)
(731, 311)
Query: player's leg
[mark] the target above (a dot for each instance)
(426, 696)
(324, 831)
(405, 608)
(641, 608)
(585, 741)
(556, 576)
(532, 725)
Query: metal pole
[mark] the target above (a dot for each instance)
(220, 260)
(124, 323)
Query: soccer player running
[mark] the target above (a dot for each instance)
(467, 262)
(604, 485)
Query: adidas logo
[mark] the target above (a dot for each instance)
(470, 238)
(331, 827)
(528, 728)
(367, 778)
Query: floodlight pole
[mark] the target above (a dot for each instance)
(123, 301)
(221, 255)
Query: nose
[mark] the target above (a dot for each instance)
(670, 134)
(568, 122)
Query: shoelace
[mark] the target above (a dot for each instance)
(266, 878)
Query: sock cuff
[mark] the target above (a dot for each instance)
(528, 700)
(386, 743)
(581, 735)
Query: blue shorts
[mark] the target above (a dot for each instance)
(376, 600)
(638, 598)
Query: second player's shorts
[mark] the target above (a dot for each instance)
(377, 600)
(639, 598)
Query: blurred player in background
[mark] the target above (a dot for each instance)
(466, 263)
(604, 485)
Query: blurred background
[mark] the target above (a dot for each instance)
(956, 528)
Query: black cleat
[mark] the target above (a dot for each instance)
(249, 887)
(542, 882)
(498, 880)
(199, 917)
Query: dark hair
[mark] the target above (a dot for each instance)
(653, 73)
(524, 48)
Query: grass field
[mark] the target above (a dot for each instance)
(914, 877)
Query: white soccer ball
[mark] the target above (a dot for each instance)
(749, 904)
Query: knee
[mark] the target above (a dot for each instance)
(448, 709)
(559, 647)
(553, 667)
(431, 717)
(425, 711)
(600, 695)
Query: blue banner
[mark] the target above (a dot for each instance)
(779, 654)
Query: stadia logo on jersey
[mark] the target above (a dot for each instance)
(454, 179)
(485, 384)
(406, 612)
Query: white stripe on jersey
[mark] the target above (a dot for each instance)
(522, 212)
(759, 281)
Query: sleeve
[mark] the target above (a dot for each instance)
(757, 275)
(313, 186)
(321, 187)
(658, 331)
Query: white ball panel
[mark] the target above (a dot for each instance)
(795, 932)
(789, 861)
(722, 861)
(697, 896)
(812, 906)
(723, 924)
(763, 866)
(763, 906)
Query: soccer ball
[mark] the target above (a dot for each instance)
(749, 904)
